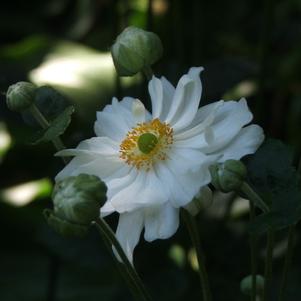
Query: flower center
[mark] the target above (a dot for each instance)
(146, 144)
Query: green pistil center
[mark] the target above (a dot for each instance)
(147, 142)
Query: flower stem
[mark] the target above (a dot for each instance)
(254, 197)
(253, 253)
(195, 238)
(268, 264)
(136, 282)
(148, 72)
(132, 287)
(287, 261)
(43, 122)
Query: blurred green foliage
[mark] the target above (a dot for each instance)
(248, 48)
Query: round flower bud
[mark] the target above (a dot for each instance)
(20, 96)
(134, 50)
(228, 176)
(202, 200)
(77, 201)
(64, 227)
(246, 285)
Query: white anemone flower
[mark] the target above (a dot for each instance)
(155, 163)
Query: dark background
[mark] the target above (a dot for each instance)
(248, 48)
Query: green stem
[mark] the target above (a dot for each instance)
(268, 264)
(195, 238)
(136, 281)
(36, 113)
(43, 122)
(148, 72)
(132, 286)
(287, 261)
(254, 197)
(253, 253)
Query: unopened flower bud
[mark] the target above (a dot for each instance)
(134, 50)
(228, 176)
(77, 201)
(246, 285)
(20, 96)
(202, 200)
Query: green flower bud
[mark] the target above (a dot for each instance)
(77, 201)
(64, 227)
(246, 285)
(20, 96)
(134, 50)
(228, 176)
(202, 200)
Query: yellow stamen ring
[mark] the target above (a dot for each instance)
(146, 144)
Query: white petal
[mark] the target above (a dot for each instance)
(111, 125)
(102, 168)
(228, 121)
(118, 118)
(155, 90)
(96, 156)
(161, 222)
(231, 117)
(205, 117)
(128, 232)
(177, 193)
(115, 185)
(106, 209)
(138, 111)
(161, 92)
(115, 120)
(184, 174)
(94, 147)
(136, 190)
(123, 109)
(72, 167)
(246, 142)
(185, 159)
(186, 100)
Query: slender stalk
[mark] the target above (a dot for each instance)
(36, 113)
(106, 231)
(268, 264)
(195, 238)
(132, 286)
(43, 122)
(148, 72)
(287, 262)
(253, 253)
(254, 197)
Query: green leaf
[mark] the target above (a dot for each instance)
(57, 127)
(275, 179)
